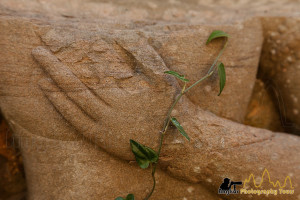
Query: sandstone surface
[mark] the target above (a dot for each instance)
(78, 79)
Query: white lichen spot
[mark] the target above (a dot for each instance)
(273, 51)
(152, 5)
(174, 47)
(273, 34)
(251, 158)
(173, 2)
(190, 189)
(207, 88)
(197, 169)
(174, 113)
(209, 180)
(222, 143)
(240, 26)
(281, 28)
(198, 144)
(274, 156)
(192, 13)
(184, 198)
(247, 187)
(184, 124)
(177, 141)
(295, 99)
(252, 131)
(295, 111)
(291, 174)
(258, 180)
(289, 59)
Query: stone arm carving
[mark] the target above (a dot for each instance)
(216, 142)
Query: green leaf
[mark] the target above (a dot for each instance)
(216, 34)
(222, 75)
(143, 163)
(180, 128)
(130, 197)
(144, 155)
(181, 77)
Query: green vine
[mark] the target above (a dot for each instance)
(146, 156)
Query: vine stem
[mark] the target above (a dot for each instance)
(168, 118)
(219, 55)
(166, 126)
(154, 181)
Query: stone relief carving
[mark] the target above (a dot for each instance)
(74, 91)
